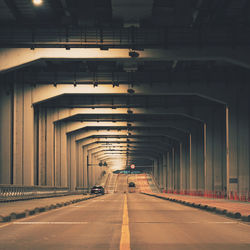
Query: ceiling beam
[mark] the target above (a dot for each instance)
(13, 9)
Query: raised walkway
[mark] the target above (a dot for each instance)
(20, 209)
(233, 209)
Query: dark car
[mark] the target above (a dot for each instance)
(97, 190)
(131, 184)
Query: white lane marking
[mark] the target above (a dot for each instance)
(50, 223)
(194, 222)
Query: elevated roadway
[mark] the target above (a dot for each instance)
(152, 224)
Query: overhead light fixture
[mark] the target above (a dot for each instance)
(104, 47)
(116, 84)
(37, 2)
(130, 111)
(131, 91)
(133, 54)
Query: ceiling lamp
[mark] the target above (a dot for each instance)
(37, 2)
(131, 91)
(115, 84)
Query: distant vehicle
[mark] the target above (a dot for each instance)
(97, 190)
(131, 184)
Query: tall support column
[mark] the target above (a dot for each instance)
(177, 168)
(160, 177)
(78, 147)
(58, 153)
(164, 170)
(155, 170)
(218, 151)
(197, 160)
(168, 170)
(23, 137)
(42, 126)
(91, 170)
(85, 168)
(50, 172)
(239, 138)
(171, 169)
(183, 166)
(72, 161)
(64, 167)
(6, 143)
(18, 134)
(201, 159)
(80, 176)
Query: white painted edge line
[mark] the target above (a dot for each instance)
(51, 223)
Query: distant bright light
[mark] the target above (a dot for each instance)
(132, 166)
(37, 2)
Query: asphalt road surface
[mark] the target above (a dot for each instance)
(136, 220)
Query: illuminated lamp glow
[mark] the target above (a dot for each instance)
(132, 166)
(37, 2)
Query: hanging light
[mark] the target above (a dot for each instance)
(37, 2)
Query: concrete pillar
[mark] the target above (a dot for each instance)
(77, 164)
(155, 170)
(71, 145)
(161, 171)
(171, 163)
(184, 166)
(42, 126)
(80, 165)
(58, 152)
(6, 127)
(176, 172)
(91, 170)
(164, 170)
(23, 135)
(238, 176)
(197, 159)
(85, 168)
(64, 167)
(50, 170)
(18, 134)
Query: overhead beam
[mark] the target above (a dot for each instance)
(13, 9)
(24, 56)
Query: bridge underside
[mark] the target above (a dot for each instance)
(171, 99)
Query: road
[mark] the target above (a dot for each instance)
(152, 224)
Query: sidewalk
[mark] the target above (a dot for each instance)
(21, 209)
(234, 209)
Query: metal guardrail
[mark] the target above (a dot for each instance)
(16, 192)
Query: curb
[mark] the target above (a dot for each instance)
(208, 208)
(37, 210)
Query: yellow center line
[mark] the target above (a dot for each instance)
(125, 235)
